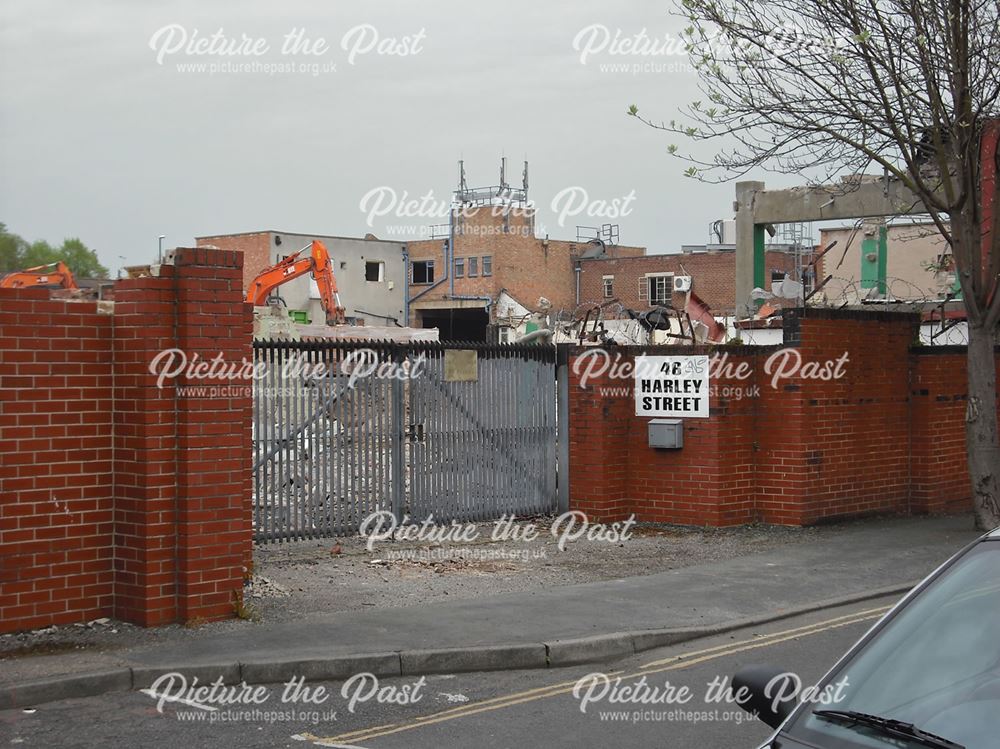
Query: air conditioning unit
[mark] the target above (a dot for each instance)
(682, 283)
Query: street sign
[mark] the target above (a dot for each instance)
(672, 386)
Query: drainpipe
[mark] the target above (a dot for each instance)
(488, 300)
(578, 269)
(406, 286)
(447, 269)
(451, 251)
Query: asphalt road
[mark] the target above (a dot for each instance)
(500, 709)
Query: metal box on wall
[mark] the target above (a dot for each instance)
(666, 433)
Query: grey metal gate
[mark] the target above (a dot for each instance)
(484, 433)
(450, 431)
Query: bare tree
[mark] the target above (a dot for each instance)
(823, 88)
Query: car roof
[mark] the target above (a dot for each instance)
(994, 534)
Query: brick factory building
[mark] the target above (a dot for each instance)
(495, 250)
(370, 272)
(647, 281)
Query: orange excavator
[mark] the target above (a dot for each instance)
(319, 264)
(52, 275)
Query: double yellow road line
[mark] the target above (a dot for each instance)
(685, 660)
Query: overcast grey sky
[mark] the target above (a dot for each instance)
(104, 136)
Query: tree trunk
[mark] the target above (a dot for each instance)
(981, 440)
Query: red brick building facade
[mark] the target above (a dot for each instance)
(627, 279)
(255, 246)
(495, 249)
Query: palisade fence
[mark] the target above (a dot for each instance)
(457, 431)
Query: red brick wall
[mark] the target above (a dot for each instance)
(937, 388)
(888, 436)
(117, 496)
(55, 461)
(708, 482)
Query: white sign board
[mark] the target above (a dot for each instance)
(673, 386)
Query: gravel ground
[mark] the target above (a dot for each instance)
(312, 578)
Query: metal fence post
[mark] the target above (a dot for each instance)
(562, 427)
(397, 419)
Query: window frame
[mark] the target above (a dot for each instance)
(646, 288)
(380, 264)
(428, 266)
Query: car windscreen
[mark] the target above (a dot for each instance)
(935, 665)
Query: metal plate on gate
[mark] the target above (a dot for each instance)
(461, 365)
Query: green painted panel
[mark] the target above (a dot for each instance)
(759, 261)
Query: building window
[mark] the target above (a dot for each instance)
(657, 289)
(459, 267)
(488, 265)
(473, 267)
(374, 271)
(609, 286)
(423, 271)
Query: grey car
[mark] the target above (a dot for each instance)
(927, 675)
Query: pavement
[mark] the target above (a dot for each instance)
(498, 709)
(557, 627)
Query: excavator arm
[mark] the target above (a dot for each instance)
(319, 264)
(53, 274)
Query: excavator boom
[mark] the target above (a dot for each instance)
(53, 274)
(319, 264)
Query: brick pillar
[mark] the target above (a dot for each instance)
(182, 444)
(213, 434)
(854, 431)
(598, 445)
(145, 453)
(783, 457)
(939, 471)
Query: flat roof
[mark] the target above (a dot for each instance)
(300, 234)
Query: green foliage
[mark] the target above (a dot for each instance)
(16, 253)
(12, 248)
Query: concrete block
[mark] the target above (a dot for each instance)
(589, 649)
(484, 658)
(144, 676)
(65, 687)
(320, 669)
